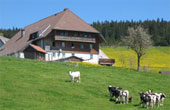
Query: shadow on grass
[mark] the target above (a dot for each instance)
(113, 100)
(68, 81)
(138, 105)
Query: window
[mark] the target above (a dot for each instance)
(90, 36)
(33, 35)
(73, 54)
(91, 46)
(72, 46)
(53, 44)
(55, 32)
(75, 34)
(62, 34)
(63, 54)
(54, 54)
(66, 34)
(81, 46)
(63, 45)
(85, 35)
(91, 56)
(81, 34)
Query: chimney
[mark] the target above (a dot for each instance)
(65, 9)
(22, 32)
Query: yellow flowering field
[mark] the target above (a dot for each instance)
(155, 59)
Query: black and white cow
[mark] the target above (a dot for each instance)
(150, 99)
(145, 99)
(114, 92)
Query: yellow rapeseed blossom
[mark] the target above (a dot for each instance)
(156, 58)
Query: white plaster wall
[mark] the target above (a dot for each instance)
(21, 55)
(51, 56)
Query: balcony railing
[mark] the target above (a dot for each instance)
(76, 39)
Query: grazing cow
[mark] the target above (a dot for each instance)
(145, 99)
(160, 98)
(74, 75)
(114, 92)
(153, 100)
(163, 96)
(124, 96)
(150, 99)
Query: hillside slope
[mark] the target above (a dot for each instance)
(155, 59)
(36, 85)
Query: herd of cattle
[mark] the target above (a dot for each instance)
(148, 98)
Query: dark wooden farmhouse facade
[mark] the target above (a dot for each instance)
(60, 36)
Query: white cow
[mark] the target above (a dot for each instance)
(74, 75)
(124, 96)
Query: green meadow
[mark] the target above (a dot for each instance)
(38, 85)
(156, 58)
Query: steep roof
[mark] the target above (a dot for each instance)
(65, 20)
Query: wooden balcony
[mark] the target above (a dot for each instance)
(75, 39)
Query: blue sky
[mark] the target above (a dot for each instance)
(19, 13)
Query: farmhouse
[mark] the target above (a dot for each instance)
(3, 41)
(60, 36)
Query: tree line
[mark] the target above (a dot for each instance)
(113, 31)
(9, 32)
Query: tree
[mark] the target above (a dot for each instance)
(138, 40)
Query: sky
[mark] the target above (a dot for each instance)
(20, 13)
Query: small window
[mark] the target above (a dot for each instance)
(73, 54)
(91, 56)
(53, 44)
(91, 46)
(66, 34)
(81, 35)
(33, 35)
(63, 44)
(62, 34)
(90, 36)
(85, 35)
(54, 54)
(55, 32)
(81, 46)
(75, 34)
(63, 54)
(72, 46)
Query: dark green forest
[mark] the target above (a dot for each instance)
(8, 32)
(113, 31)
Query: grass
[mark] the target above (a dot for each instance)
(37, 85)
(156, 58)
